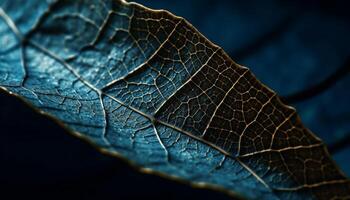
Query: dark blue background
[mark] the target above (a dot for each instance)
(290, 46)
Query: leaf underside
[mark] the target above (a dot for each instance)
(146, 85)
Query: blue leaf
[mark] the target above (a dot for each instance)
(147, 86)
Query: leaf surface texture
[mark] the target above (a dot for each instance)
(147, 86)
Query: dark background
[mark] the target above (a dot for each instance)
(301, 49)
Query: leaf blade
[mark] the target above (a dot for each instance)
(97, 98)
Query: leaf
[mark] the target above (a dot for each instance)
(147, 86)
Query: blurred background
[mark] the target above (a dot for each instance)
(300, 49)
